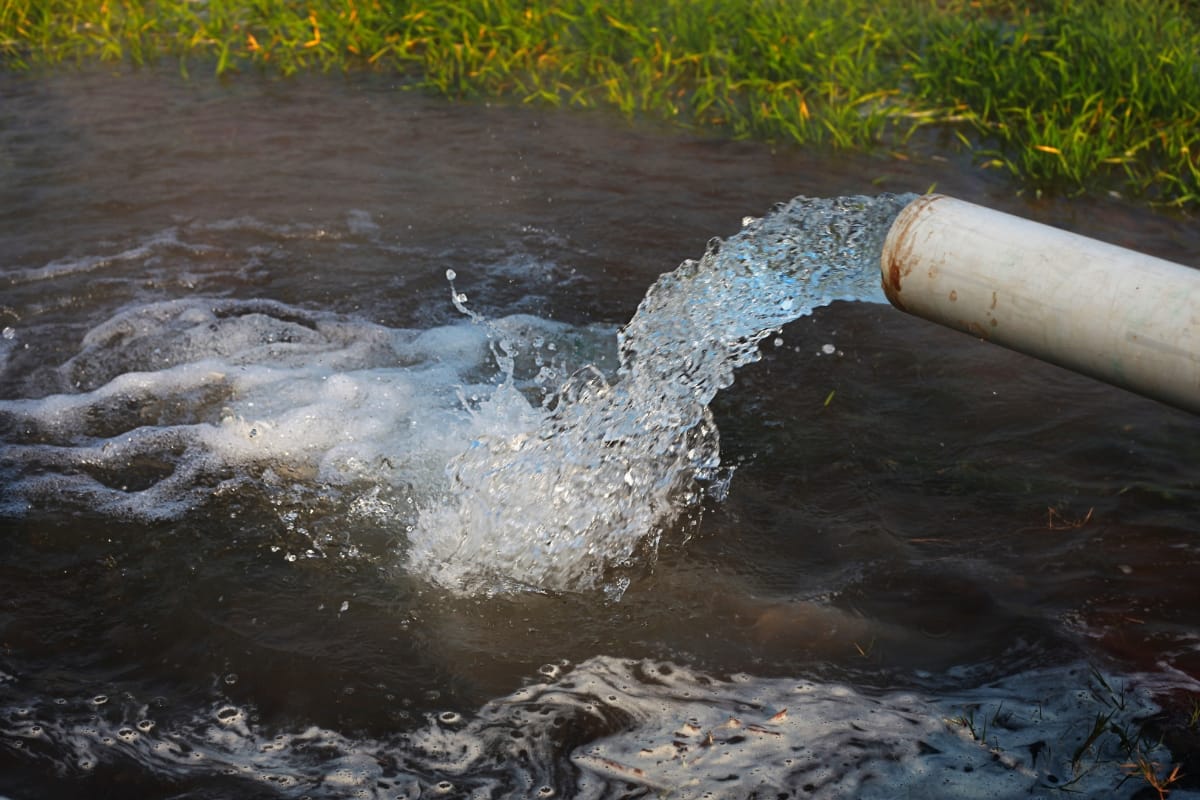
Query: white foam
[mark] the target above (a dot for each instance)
(176, 399)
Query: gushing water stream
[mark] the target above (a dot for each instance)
(589, 480)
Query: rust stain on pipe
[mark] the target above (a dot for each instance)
(898, 249)
(974, 328)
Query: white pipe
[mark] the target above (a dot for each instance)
(1114, 314)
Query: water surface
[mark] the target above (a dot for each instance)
(919, 527)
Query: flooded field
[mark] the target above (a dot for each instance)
(234, 378)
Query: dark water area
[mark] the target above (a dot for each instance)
(913, 513)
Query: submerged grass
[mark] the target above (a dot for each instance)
(1066, 95)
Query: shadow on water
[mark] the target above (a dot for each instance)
(911, 510)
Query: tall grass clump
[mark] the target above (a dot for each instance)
(1064, 94)
(813, 72)
(1077, 94)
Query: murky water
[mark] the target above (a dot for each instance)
(233, 374)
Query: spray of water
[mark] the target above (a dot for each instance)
(589, 481)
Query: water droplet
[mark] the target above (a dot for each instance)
(451, 274)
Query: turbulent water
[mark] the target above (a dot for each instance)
(510, 455)
(632, 729)
(592, 479)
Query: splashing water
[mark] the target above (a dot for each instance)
(563, 469)
(590, 481)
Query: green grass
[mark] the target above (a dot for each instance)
(1066, 95)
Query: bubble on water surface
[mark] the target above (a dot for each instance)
(229, 715)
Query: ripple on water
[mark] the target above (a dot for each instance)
(607, 725)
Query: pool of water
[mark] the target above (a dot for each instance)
(232, 371)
